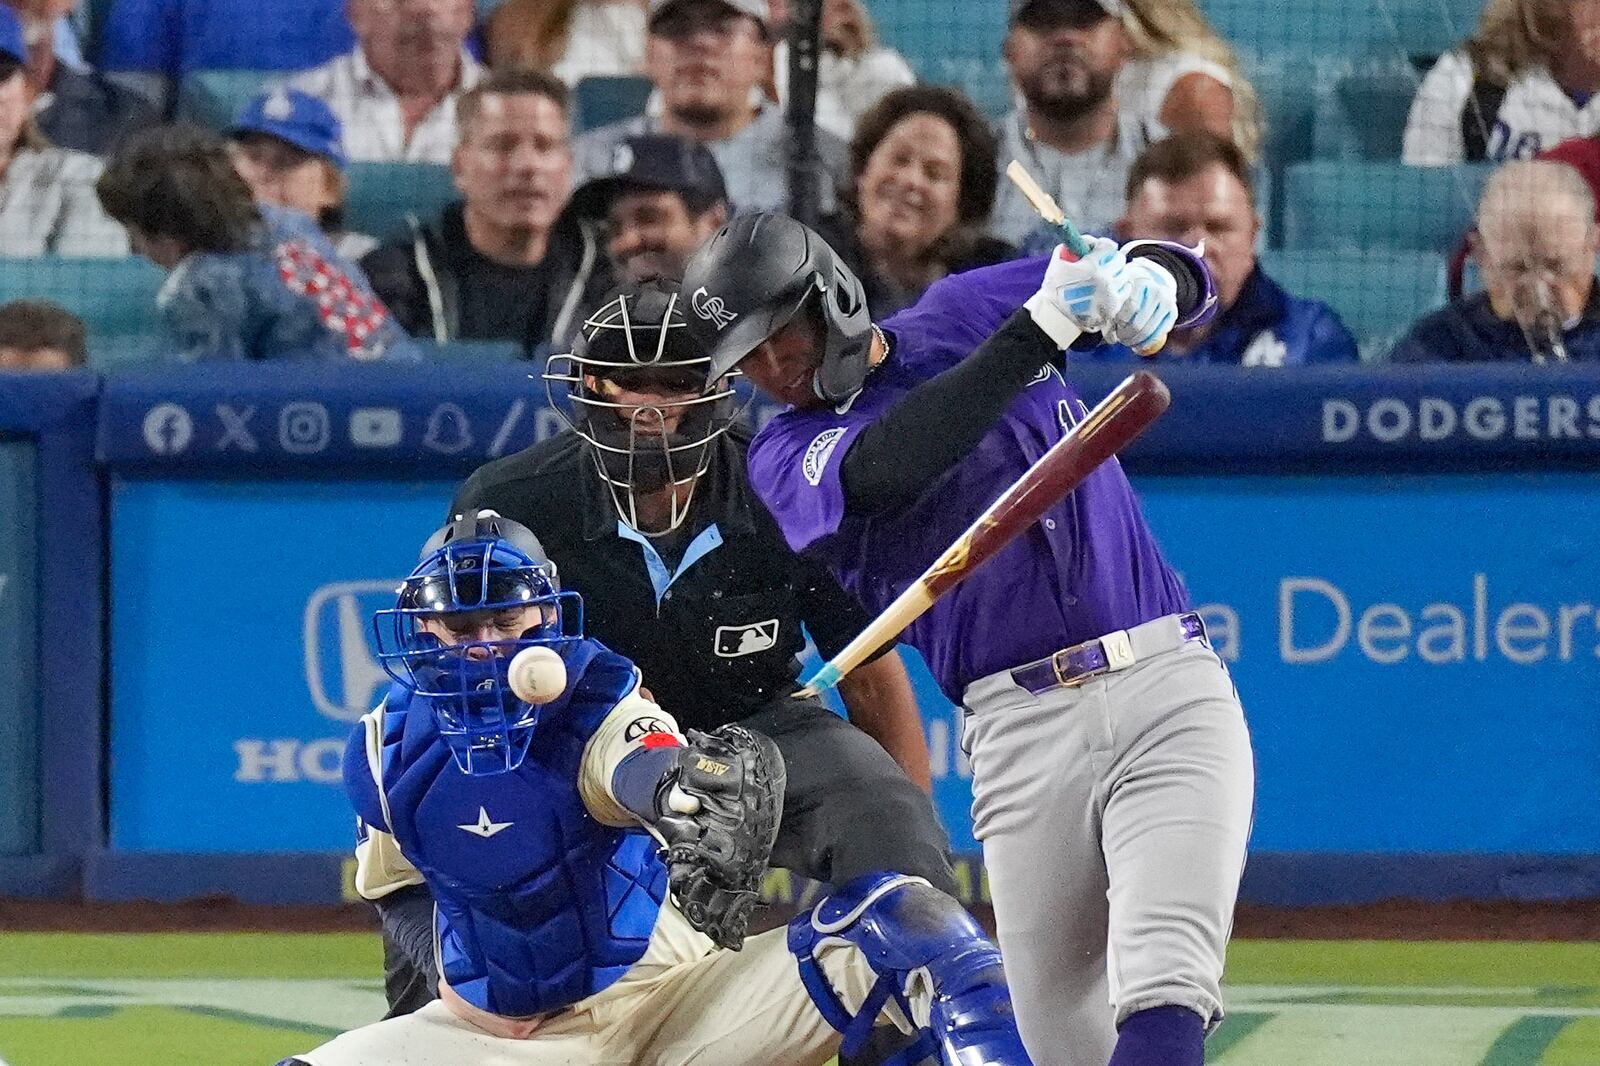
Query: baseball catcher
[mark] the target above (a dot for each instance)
(591, 864)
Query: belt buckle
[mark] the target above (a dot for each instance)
(1061, 678)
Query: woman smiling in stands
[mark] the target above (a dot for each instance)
(923, 175)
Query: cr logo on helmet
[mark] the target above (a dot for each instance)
(712, 309)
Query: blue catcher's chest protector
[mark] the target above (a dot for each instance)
(539, 904)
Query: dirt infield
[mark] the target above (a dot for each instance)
(1393, 920)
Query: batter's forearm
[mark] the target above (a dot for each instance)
(892, 461)
(882, 704)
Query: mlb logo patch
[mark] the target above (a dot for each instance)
(734, 641)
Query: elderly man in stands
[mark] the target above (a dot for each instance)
(506, 262)
(1194, 188)
(708, 60)
(1535, 243)
(396, 91)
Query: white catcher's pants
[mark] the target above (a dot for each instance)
(724, 1008)
(1113, 818)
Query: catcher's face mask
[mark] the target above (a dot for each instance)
(458, 621)
(637, 391)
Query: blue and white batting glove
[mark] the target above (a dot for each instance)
(1145, 320)
(1084, 295)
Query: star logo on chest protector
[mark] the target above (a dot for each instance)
(485, 827)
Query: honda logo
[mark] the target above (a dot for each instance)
(342, 670)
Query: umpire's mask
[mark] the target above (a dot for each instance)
(637, 390)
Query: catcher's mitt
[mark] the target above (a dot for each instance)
(719, 817)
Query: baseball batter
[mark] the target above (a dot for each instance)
(1112, 772)
(518, 770)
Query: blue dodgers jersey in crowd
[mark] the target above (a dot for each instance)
(1089, 567)
(288, 296)
(554, 906)
(1266, 326)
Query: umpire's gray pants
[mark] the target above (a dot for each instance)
(1113, 817)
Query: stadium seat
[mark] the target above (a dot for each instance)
(1377, 293)
(1349, 205)
(381, 195)
(951, 42)
(112, 354)
(213, 98)
(470, 351)
(1363, 116)
(114, 297)
(1353, 28)
(600, 101)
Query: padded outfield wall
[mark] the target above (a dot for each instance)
(1398, 567)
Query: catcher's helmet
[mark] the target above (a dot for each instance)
(638, 343)
(485, 563)
(751, 279)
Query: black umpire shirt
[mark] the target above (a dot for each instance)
(720, 640)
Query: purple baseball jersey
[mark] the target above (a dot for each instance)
(1088, 567)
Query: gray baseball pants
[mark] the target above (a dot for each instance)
(1113, 816)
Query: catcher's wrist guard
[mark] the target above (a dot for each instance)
(718, 812)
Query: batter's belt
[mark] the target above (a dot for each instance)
(1114, 651)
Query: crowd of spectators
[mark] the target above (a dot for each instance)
(1136, 115)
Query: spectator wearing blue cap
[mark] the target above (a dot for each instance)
(75, 107)
(289, 149)
(47, 200)
(244, 281)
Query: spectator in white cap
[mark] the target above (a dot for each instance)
(396, 91)
(708, 60)
(47, 198)
(288, 148)
(663, 199)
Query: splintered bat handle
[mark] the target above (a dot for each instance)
(1047, 207)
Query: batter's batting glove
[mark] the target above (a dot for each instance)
(1084, 295)
(720, 808)
(1146, 318)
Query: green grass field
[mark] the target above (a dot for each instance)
(249, 999)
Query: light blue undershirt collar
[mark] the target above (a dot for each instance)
(709, 539)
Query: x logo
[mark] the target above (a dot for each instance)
(235, 428)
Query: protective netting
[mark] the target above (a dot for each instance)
(1369, 152)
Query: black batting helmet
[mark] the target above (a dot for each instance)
(754, 276)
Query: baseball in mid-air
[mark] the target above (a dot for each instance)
(537, 675)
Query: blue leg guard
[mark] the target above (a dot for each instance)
(933, 963)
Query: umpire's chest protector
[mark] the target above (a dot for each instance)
(539, 904)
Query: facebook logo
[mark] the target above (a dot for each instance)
(168, 429)
(375, 427)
